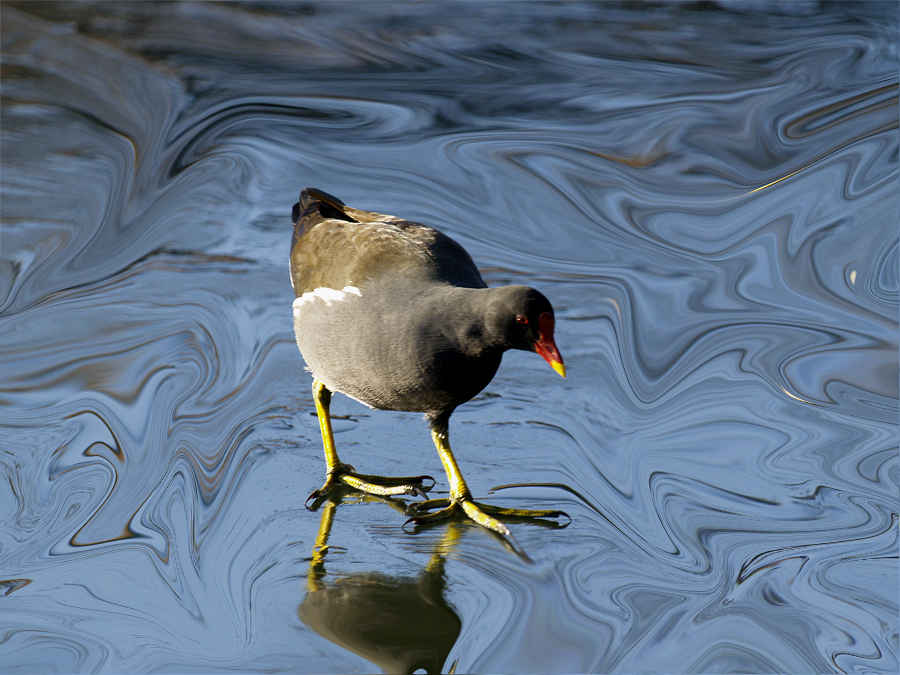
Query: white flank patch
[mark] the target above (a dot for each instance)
(329, 295)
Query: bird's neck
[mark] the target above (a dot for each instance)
(467, 315)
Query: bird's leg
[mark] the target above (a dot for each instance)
(461, 498)
(338, 472)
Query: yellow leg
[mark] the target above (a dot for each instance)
(322, 397)
(461, 498)
(383, 486)
(458, 487)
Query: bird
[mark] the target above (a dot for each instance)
(396, 315)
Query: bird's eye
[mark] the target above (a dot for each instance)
(522, 319)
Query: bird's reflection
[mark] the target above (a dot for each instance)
(401, 624)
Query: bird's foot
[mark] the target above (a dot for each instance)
(382, 486)
(483, 514)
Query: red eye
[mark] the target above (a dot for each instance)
(521, 318)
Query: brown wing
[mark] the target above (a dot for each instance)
(336, 246)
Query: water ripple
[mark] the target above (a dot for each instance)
(706, 193)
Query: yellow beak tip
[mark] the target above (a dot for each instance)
(559, 368)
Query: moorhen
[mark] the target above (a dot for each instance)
(395, 315)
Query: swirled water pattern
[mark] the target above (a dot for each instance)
(708, 193)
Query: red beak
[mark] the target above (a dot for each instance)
(546, 347)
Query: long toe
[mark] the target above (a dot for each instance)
(418, 508)
(523, 513)
(487, 516)
(387, 486)
(475, 513)
(395, 480)
(431, 517)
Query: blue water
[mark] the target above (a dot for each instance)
(708, 194)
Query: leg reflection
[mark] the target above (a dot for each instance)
(400, 623)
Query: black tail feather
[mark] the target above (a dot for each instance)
(310, 195)
(314, 201)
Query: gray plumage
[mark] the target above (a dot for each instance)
(395, 314)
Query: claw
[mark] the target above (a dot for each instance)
(314, 497)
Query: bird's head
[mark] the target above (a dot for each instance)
(523, 318)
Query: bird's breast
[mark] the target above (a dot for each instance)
(391, 351)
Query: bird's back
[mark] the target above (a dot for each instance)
(335, 246)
